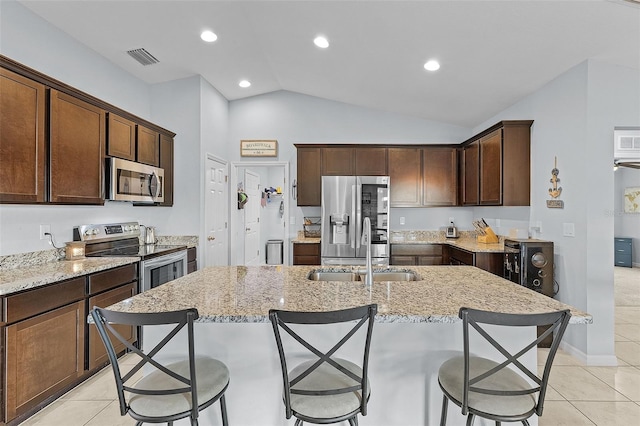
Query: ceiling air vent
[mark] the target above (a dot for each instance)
(142, 56)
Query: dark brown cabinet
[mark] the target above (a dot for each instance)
(47, 346)
(105, 289)
(440, 173)
(22, 139)
(54, 139)
(166, 163)
(490, 262)
(337, 161)
(77, 150)
(405, 176)
(416, 254)
(470, 173)
(371, 161)
(192, 260)
(148, 146)
(309, 182)
(496, 165)
(306, 253)
(121, 142)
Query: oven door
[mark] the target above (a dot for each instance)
(162, 269)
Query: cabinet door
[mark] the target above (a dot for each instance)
(403, 260)
(76, 151)
(97, 352)
(309, 185)
(371, 161)
(148, 146)
(306, 254)
(440, 171)
(470, 172)
(122, 138)
(491, 168)
(405, 175)
(22, 139)
(166, 162)
(338, 162)
(43, 355)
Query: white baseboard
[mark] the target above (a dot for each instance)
(591, 360)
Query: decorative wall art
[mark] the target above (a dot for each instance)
(259, 148)
(632, 200)
(555, 190)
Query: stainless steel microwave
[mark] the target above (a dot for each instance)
(130, 181)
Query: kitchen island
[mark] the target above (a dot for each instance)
(417, 328)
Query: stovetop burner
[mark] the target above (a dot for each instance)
(142, 251)
(119, 239)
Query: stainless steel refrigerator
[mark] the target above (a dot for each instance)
(346, 201)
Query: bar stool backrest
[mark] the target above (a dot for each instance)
(363, 315)
(473, 318)
(104, 321)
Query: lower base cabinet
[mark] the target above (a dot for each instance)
(44, 356)
(306, 253)
(192, 260)
(488, 261)
(47, 345)
(416, 254)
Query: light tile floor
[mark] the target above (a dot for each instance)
(577, 395)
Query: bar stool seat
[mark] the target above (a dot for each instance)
(323, 378)
(212, 377)
(451, 375)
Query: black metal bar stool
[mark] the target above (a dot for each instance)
(171, 391)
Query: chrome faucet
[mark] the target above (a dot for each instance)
(366, 239)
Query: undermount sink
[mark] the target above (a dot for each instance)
(328, 275)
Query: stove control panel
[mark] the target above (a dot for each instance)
(106, 232)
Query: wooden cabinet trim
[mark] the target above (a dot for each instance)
(33, 302)
(111, 278)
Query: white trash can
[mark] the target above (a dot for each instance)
(274, 252)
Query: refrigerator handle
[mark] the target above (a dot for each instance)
(358, 208)
(355, 243)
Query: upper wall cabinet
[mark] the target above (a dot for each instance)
(338, 161)
(61, 159)
(309, 183)
(77, 148)
(148, 146)
(122, 138)
(22, 139)
(166, 162)
(423, 176)
(496, 165)
(371, 161)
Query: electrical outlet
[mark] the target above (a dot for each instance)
(292, 220)
(539, 226)
(451, 219)
(45, 229)
(401, 220)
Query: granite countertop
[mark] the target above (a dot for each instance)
(241, 294)
(28, 277)
(467, 240)
(25, 271)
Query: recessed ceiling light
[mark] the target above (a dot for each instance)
(321, 42)
(244, 83)
(432, 65)
(209, 36)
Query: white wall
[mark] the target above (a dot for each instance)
(574, 116)
(190, 107)
(295, 118)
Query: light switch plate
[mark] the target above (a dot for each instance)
(569, 229)
(401, 220)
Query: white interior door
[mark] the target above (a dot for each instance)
(216, 213)
(252, 252)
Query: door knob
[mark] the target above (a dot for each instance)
(211, 238)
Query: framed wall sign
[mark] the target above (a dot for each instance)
(259, 148)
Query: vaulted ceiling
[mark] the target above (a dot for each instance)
(492, 53)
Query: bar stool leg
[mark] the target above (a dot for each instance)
(443, 416)
(223, 409)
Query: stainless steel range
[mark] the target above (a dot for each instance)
(159, 264)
